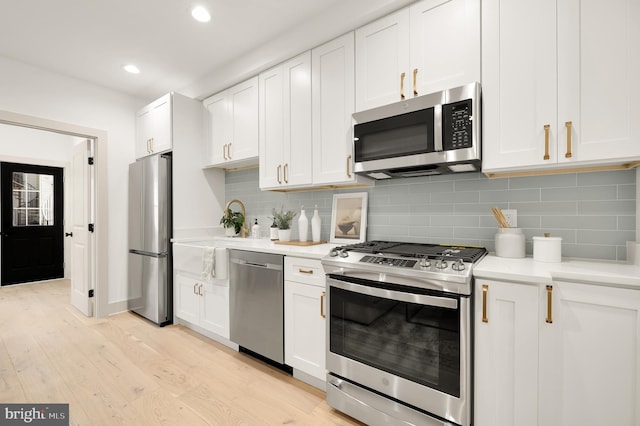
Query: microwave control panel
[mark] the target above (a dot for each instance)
(457, 125)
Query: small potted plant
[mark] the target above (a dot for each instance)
(283, 222)
(232, 222)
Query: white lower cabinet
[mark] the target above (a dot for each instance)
(559, 354)
(203, 304)
(589, 355)
(506, 354)
(304, 311)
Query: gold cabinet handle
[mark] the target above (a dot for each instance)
(549, 304)
(279, 168)
(569, 126)
(546, 141)
(229, 150)
(485, 290)
(305, 271)
(286, 173)
(402, 85)
(322, 314)
(415, 85)
(349, 166)
(194, 288)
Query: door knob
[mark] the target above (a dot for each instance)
(68, 234)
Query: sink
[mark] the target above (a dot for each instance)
(187, 257)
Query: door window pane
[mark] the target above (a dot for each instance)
(32, 199)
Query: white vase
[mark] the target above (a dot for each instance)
(315, 226)
(303, 226)
(284, 234)
(230, 232)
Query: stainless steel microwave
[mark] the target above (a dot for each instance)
(432, 134)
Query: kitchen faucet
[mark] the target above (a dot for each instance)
(243, 229)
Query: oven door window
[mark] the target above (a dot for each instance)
(406, 134)
(420, 343)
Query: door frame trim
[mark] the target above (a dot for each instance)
(101, 234)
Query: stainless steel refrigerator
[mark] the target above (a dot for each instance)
(150, 229)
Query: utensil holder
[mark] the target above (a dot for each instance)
(510, 243)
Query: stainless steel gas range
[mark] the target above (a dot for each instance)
(399, 332)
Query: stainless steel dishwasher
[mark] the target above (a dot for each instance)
(257, 303)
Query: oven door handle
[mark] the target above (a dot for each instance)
(420, 299)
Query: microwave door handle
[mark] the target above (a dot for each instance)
(421, 299)
(437, 128)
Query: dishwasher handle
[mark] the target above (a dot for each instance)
(256, 264)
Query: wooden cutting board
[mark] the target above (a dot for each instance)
(299, 243)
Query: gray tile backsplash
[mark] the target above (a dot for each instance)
(594, 213)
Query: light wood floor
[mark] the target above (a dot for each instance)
(124, 370)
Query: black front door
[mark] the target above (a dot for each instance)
(32, 223)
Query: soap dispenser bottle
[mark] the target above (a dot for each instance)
(255, 230)
(315, 226)
(273, 231)
(303, 225)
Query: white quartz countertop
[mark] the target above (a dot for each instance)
(527, 270)
(264, 245)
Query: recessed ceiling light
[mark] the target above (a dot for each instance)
(200, 14)
(131, 68)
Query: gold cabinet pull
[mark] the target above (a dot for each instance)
(324, 293)
(305, 271)
(224, 151)
(485, 290)
(349, 166)
(229, 150)
(569, 126)
(546, 141)
(148, 146)
(402, 85)
(286, 173)
(194, 288)
(279, 168)
(415, 83)
(549, 304)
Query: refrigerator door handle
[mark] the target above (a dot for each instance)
(146, 253)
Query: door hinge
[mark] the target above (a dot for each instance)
(91, 227)
(91, 293)
(90, 161)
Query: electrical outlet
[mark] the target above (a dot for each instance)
(511, 215)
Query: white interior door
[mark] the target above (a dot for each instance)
(82, 245)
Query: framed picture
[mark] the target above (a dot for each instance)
(349, 218)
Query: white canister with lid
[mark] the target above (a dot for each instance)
(547, 249)
(510, 243)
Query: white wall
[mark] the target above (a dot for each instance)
(32, 91)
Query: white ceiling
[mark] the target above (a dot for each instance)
(92, 39)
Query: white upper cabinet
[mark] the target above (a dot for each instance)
(153, 127)
(332, 94)
(428, 46)
(382, 56)
(445, 44)
(233, 126)
(285, 124)
(561, 97)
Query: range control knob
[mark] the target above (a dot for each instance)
(333, 252)
(441, 264)
(343, 253)
(425, 262)
(458, 265)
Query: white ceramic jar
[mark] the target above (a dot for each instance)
(547, 249)
(510, 242)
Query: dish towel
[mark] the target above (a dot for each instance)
(209, 263)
